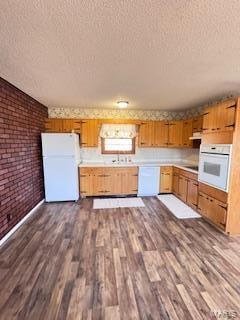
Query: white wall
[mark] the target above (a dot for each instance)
(150, 154)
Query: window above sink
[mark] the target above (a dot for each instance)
(118, 138)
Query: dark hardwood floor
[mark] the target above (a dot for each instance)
(71, 262)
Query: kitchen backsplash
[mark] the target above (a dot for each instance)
(92, 113)
(149, 154)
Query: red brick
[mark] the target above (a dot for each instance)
(21, 180)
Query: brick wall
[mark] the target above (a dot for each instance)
(21, 178)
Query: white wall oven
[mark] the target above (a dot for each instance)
(214, 165)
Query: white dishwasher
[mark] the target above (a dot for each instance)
(148, 181)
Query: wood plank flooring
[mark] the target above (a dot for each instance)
(71, 262)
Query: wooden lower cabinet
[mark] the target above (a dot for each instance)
(128, 181)
(175, 184)
(192, 194)
(166, 179)
(185, 187)
(202, 198)
(85, 182)
(182, 188)
(108, 181)
(213, 209)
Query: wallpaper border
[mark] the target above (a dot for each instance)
(93, 113)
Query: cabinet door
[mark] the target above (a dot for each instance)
(129, 181)
(54, 125)
(161, 134)
(192, 194)
(166, 179)
(101, 181)
(175, 183)
(197, 124)
(175, 134)
(203, 204)
(208, 119)
(187, 133)
(71, 125)
(85, 182)
(146, 132)
(218, 213)
(182, 188)
(67, 125)
(89, 133)
(226, 115)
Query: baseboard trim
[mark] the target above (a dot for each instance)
(11, 232)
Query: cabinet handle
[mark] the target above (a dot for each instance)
(203, 129)
(199, 209)
(83, 191)
(230, 125)
(222, 206)
(83, 143)
(233, 106)
(222, 224)
(213, 129)
(135, 190)
(194, 204)
(143, 143)
(206, 113)
(200, 195)
(135, 175)
(83, 175)
(195, 184)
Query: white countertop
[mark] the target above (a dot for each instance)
(178, 164)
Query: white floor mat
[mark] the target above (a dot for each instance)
(177, 207)
(117, 203)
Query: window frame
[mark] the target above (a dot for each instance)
(104, 151)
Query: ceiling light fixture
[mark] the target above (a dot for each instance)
(122, 104)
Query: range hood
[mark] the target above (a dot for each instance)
(196, 136)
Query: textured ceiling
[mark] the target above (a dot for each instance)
(157, 54)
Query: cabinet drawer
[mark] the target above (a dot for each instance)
(213, 192)
(189, 175)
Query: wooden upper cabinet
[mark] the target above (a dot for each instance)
(208, 119)
(146, 134)
(54, 125)
(175, 130)
(197, 123)
(161, 133)
(187, 133)
(220, 117)
(72, 125)
(89, 132)
(166, 179)
(63, 125)
(226, 115)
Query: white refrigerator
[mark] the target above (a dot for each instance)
(61, 156)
